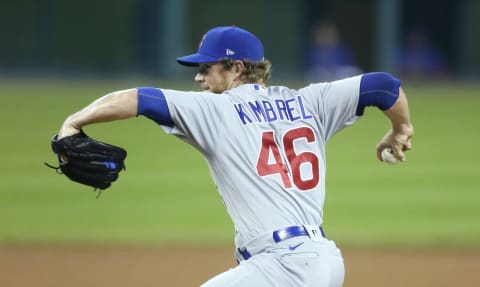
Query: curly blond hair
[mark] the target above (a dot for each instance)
(254, 72)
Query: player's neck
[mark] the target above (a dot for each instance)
(238, 82)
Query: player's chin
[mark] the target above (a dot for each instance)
(215, 91)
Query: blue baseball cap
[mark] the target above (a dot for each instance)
(225, 43)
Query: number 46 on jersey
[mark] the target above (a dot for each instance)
(295, 160)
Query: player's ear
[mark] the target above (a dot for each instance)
(238, 66)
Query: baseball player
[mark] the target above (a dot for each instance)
(265, 147)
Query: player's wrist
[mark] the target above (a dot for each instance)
(68, 129)
(402, 128)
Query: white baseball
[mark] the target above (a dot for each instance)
(388, 157)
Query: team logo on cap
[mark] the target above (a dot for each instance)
(229, 52)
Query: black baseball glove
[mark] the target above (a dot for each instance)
(87, 161)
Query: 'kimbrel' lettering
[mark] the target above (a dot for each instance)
(269, 111)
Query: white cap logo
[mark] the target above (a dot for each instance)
(229, 52)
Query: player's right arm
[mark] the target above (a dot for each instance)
(346, 100)
(401, 131)
(384, 91)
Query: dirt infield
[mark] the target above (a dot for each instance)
(42, 266)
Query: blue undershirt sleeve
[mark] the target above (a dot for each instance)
(378, 89)
(153, 105)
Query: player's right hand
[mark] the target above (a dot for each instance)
(399, 140)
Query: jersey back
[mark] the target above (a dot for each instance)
(265, 147)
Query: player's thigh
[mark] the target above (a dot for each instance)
(245, 274)
(337, 267)
(320, 265)
(337, 271)
(313, 269)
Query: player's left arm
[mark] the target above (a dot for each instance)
(111, 107)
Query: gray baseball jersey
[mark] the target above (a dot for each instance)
(265, 147)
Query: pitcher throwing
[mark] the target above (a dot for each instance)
(265, 147)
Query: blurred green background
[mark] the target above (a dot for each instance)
(167, 196)
(125, 38)
(58, 56)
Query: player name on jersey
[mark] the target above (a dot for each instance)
(269, 111)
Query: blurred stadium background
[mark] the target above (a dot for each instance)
(143, 37)
(57, 56)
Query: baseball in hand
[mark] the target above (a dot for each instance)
(388, 157)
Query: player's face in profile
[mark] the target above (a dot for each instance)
(214, 78)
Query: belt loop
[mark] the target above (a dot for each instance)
(244, 252)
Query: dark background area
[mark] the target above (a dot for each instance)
(142, 38)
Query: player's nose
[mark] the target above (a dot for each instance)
(199, 78)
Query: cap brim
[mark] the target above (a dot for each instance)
(195, 60)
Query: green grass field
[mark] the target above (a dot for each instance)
(166, 195)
